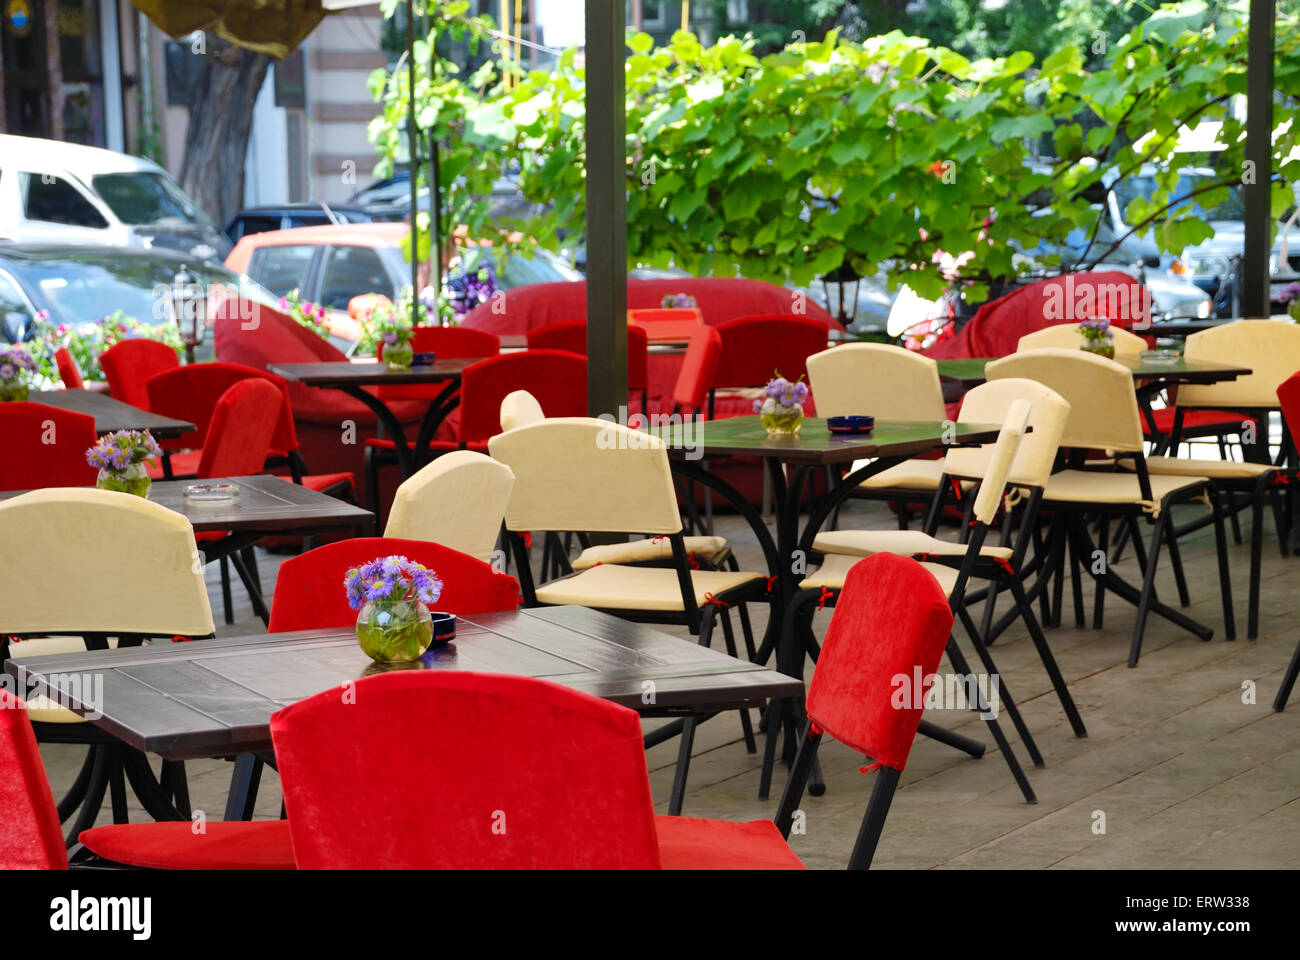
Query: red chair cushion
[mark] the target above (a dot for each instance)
(29, 462)
(239, 434)
(129, 364)
(191, 393)
(1198, 419)
(691, 843)
(891, 620)
(30, 835)
(699, 369)
(309, 591)
(185, 463)
(69, 373)
(571, 335)
(755, 349)
(323, 481)
(224, 845)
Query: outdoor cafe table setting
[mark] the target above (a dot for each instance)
(354, 377)
(214, 698)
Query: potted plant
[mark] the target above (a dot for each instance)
(122, 461)
(17, 367)
(781, 410)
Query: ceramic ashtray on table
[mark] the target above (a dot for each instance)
(211, 493)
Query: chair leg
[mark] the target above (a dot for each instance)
(1256, 560)
(372, 482)
(961, 666)
(1045, 655)
(794, 787)
(1232, 515)
(1099, 585)
(77, 792)
(226, 601)
(1004, 693)
(683, 766)
(117, 786)
(873, 821)
(1148, 587)
(1058, 570)
(746, 726)
(1176, 562)
(94, 794)
(1076, 585)
(1288, 681)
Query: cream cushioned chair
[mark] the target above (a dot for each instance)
(115, 567)
(457, 500)
(888, 383)
(520, 408)
(1066, 336)
(1104, 416)
(589, 475)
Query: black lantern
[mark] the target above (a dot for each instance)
(841, 286)
(188, 303)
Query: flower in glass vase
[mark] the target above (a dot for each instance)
(391, 327)
(781, 408)
(17, 367)
(122, 459)
(392, 596)
(678, 301)
(1097, 337)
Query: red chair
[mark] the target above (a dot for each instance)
(755, 348)
(557, 378)
(1288, 394)
(308, 594)
(357, 796)
(571, 335)
(128, 365)
(68, 371)
(44, 447)
(30, 835)
(699, 371)
(448, 343)
(191, 393)
(891, 620)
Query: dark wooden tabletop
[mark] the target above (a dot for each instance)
(111, 415)
(266, 503)
(216, 697)
(814, 443)
(970, 370)
(365, 374)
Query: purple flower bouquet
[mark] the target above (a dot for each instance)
(16, 366)
(1097, 337)
(678, 301)
(121, 458)
(781, 407)
(392, 594)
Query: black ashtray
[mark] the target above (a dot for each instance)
(423, 359)
(856, 424)
(444, 628)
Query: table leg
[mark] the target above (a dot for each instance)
(447, 400)
(404, 452)
(243, 786)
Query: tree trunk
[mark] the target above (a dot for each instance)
(221, 118)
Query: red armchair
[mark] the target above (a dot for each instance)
(29, 462)
(128, 364)
(68, 370)
(755, 349)
(571, 335)
(447, 343)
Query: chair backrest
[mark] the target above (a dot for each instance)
(191, 393)
(69, 373)
(755, 348)
(458, 500)
(571, 335)
(455, 342)
(114, 563)
(891, 621)
(465, 790)
(240, 431)
(1100, 392)
(128, 364)
(580, 473)
(1268, 348)
(1288, 396)
(309, 591)
(44, 447)
(999, 463)
(699, 369)
(1128, 346)
(557, 378)
(877, 380)
(990, 403)
(31, 838)
(520, 408)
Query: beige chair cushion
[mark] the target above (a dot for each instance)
(520, 408)
(457, 500)
(613, 587)
(647, 551)
(832, 573)
(1128, 346)
(1218, 469)
(1084, 486)
(863, 543)
(40, 708)
(912, 475)
(877, 379)
(1268, 348)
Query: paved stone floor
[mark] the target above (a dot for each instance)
(1181, 768)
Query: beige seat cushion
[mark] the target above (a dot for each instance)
(911, 475)
(647, 551)
(1084, 486)
(832, 573)
(614, 587)
(863, 543)
(40, 708)
(1218, 469)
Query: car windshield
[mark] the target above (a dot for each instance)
(145, 198)
(521, 270)
(1142, 185)
(77, 289)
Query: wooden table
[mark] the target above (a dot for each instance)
(266, 506)
(112, 415)
(969, 371)
(353, 379)
(215, 698)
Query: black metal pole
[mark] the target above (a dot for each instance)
(1259, 155)
(606, 207)
(435, 221)
(413, 145)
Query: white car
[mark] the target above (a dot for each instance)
(55, 192)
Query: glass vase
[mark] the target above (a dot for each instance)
(398, 355)
(134, 480)
(783, 420)
(13, 390)
(1103, 348)
(394, 631)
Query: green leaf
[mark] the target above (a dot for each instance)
(1027, 125)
